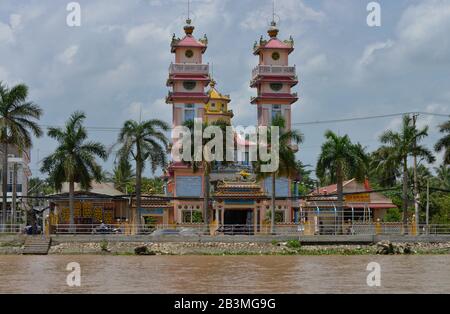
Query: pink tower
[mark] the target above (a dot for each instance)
(273, 78)
(188, 77)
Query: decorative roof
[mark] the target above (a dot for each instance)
(189, 40)
(273, 42)
(153, 201)
(214, 94)
(239, 189)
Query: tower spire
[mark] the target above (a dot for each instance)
(273, 30)
(189, 10)
(273, 11)
(188, 28)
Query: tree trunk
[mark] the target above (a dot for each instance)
(14, 196)
(405, 195)
(340, 192)
(138, 191)
(5, 182)
(272, 218)
(206, 198)
(71, 206)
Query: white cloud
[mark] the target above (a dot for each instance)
(287, 11)
(6, 33)
(67, 57)
(315, 65)
(15, 20)
(146, 32)
(370, 51)
(421, 39)
(139, 111)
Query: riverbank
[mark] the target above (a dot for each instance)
(294, 247)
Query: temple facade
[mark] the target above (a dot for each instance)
(236, 197)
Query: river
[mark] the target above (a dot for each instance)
(225, 274)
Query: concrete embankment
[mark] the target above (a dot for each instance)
(229, 245)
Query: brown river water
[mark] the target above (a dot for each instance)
(225, 274)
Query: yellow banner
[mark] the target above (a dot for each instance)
(358, 198)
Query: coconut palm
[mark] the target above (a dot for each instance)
(204, 164)
(123, 175)
(17, 124)
(288, 143)
(142, 142)
(399, 147)
(384, 171)
(443, 176)
(74, 159)
(340, 159)
(444, 143)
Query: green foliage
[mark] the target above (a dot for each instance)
(393, 215)
(440, 204)
(294, 244)
(340, 159)
(104, 246)
(123, 176)
(306, 184)
(74, 159)
(18, 123)
(444, 143)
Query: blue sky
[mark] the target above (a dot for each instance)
(117, 61)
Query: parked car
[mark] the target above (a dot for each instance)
(190, 232)
(163, 232)
(105, 229)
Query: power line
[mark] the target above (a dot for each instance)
(115, 129)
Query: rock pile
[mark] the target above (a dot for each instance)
(389, 248)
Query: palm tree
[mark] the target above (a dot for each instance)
(17, 124)
(399, 147)
(444, 143)
(123, 175)
(288, 141)
(143, 141)
(74, 160)
(340, 159)
(204, 165)
(443, 176)
(384, 171)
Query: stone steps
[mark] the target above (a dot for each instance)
(36, 245)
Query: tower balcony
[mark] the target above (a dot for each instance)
(187, 97)
(273, 70)
(188, 68)
(275, 98)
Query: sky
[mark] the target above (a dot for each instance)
(115, 65)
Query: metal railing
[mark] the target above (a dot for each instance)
(273, 70)
(11, 228)
(302, 229)
(186, 68)
(102, 229)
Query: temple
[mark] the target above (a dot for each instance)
(237, 198)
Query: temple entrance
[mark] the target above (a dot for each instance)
(238, 221)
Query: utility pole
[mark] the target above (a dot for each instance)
(428, 204)
(416, 188)
(14, 195)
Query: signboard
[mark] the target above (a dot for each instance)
(358, 198)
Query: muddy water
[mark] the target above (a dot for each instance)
(228, 274)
